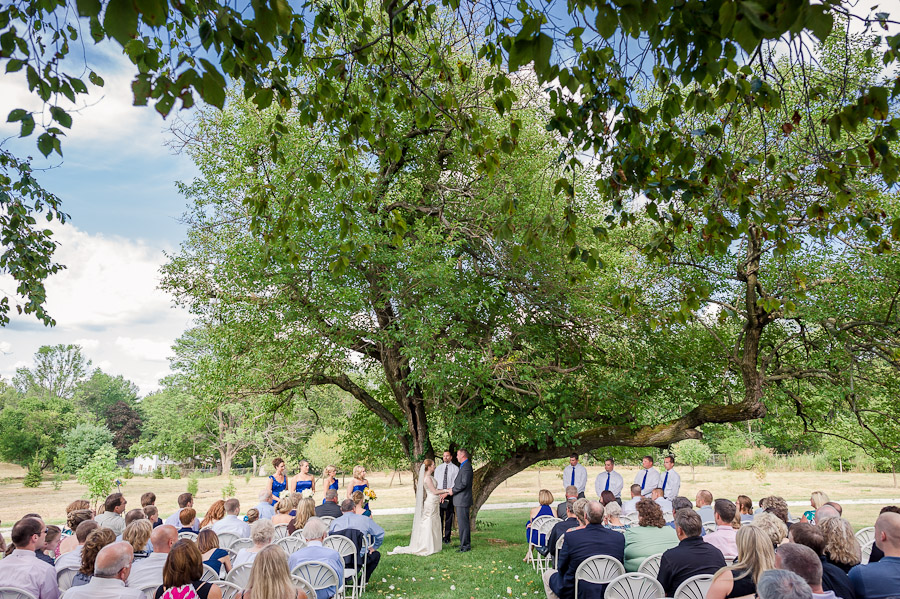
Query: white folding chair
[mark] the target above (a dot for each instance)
(291, 544)
(710, 527)
(327, 520)
(650, 566)
(345, 547)
(239, 544)
(226, 539)
(630, 519)
(239, 575)
(304, 584)
(535, 529)
(149, 591)
(558, 548)
(65, 577)
(319, 575)
(598, 569)
(545, 528)
(209, 574)
(11, 593)
(864, 535)
(867, 552)
(229, 589)
(281, 531)
(634, 586)
(188, 535)
(694, 587)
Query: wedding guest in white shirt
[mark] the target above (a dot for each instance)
(664, 503)
(185, 500)
(630, 506)
(111, 570)
(149, 570)
(22, 569)
(232, 522)
(575, 474)
(72, 559)
(610, 480)
(671, 480)
(112, 517)
(647, 477)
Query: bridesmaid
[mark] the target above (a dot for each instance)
(278, 482)
(303, 480)
(359, 483)
(331, 481)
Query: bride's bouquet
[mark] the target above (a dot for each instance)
(306, 493)
(370, 494)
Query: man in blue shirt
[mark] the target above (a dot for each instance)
(881, 580)
(364, 524)
(315, 532)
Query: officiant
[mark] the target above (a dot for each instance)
(445, 475)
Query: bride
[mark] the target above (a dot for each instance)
(426, 532)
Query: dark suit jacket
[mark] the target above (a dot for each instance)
(329, 509)
(559, 529)
(835, 579)
(690, 557)
(462, 488)
(578, 546)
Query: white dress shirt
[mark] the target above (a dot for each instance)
(21, 569)
(649, 483)
(266, 511)
(670, 481)
(244, 556)
(175, 520)
(615, 483)
(147, 571)
(69, 559)
(103, 588)
(630, 506)
(111, 520)
(580, 473)
(664, 504)
(452, 470)
(232, 524)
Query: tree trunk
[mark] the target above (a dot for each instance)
(226, 455)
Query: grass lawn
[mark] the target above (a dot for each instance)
(493, 568)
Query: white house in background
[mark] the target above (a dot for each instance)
(146, 464)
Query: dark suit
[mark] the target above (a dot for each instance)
(558, 530)
(579, 546)
(462, 501)
(329, 508)
(835, 579)
(690, 557)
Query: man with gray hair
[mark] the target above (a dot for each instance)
(690, 557)
(330, 506)
(264, 507)
(781, 584)
(315, 532)
(111, 570)
(803, 561)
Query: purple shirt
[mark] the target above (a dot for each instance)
(22, 570)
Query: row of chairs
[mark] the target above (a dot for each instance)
(603, 569)
(227, 539)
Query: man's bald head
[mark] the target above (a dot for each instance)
(887, 533)
(163, 537)
(825, 512)
(114, 561)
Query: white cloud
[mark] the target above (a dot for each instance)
(147, 349)
(5, 347)
(87, 343)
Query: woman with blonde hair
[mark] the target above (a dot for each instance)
(773, 527)
(359, 483)
(755, 555)
(270, 578)
(330, 476)
(816, 499)
(137, 534)
(303, 480)
(215, 513)
(306, 509)
(649, 537)
(534, 537)
(841, 546)
(283, 510)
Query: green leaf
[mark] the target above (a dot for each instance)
(820, 21)
(45, 144)
(14, 65)
(16, 114)
(727, 15)
(153, 12)
(88, 8)
(607, 21)
(96, 79)
(61, 116)
(120, 20)
(745, 36)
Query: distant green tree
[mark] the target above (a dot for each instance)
(56, 372)
(100, 473)
(81, 443)
(125, 423)
(692, 452)
(33, 428)
(102, 391)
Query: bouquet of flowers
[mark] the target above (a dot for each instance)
(306, 493)
(370, 494)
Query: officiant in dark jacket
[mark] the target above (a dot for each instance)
(462, 498)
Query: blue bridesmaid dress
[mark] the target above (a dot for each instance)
(533, 536)
(277, 487)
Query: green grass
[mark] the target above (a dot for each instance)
(493, 568)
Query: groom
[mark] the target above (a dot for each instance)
(462, 498)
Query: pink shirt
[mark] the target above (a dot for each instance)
(724, 540)
(22, 570)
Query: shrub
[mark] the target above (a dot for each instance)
(229, 490)
(81, 443)
(35, 476)
(174, 472)
(192, 485)
(100, 473)
(158, 474)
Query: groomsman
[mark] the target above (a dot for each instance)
(671, 480)
(609, 480)
(462, 498)
(445, 475)
(647, 477)
(575, 475)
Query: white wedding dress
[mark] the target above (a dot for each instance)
(426, 533)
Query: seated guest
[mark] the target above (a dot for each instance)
(611, 518)
(755, 556)
(51, 543)
(778, 506)
(578, 509)
(213, 556)
(283, 510)
(571, 493)
(649, 537)
(664, 504)
(73, 520)
(629, 507)
(149, 570)
(184, 568)
(76, 506)
(691, 557)
(745, 508)
(606, 497)
(22, 569)
(876, 553)
(111, 570)
(330, 506)
(723, 537)
(152, 514)
(137, 534)
(352, 517)
(837, 507)
(215, 513)
(252, 516)
(264, 507)
(134, 515)
(186, 517)
(704, 502)
(533, 537)
(561, 528)
(261, 533)
(825, 512)
(306, 509)
(270, 577)
(232, 523)
(803, 562)
(579, 545)
(833, 578)
(881, 579)
(773, 526)
(315, 532)
(816, 500)
(72, 559)
(185, 500)
(781, 584)
(148, 498)
(841, 546)
(112, 518)
(95, 541)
